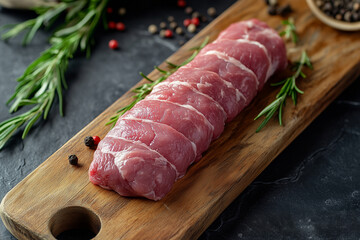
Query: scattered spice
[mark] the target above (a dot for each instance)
(111, 25)
(275, 9)
(181, 3)
(152, 29)
(272, 10)
(173, 25)
(73, 160)
(191, 28)
(195, 21)
(284, 10)
(195, 15)
(179, 30)
(96, 140)
(188, 10)
(162, 33)
(211, 12)
(92, 141)
(163, 25)
(109, 10)
(171, 18)
(120, 26)
(89, 142)
(168, 33)
(203, 19)
(122, 11)
(187, 22)
(272, 2)
(113, 44)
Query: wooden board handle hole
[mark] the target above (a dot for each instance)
(74, 221)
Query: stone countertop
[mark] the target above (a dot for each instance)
(310, 191)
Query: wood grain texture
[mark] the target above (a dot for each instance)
(232, 162)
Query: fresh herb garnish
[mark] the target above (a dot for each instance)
(145, 89)
(44, 78)
(290, 30)
(289, 88)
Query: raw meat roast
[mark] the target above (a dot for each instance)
(153, 144)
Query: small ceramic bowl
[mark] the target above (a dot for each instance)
(341, 25)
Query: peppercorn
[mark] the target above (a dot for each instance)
(109, 10)
(111, 25)
(152, 29)
(162, 25)
(162, 33)
(319, 3)
(356, 6)
(195, 15)
(120, 26)
(188, 10)
(347, 16)
(355, 17)
(173, 25)
(272, 10)
(191, 28)
(342, 10)
(211, 12)
(89, 141)
(171, 19)
(327, 7)
(338, 16)
(113, 44)
(203, 19)
(273, 2)
(195, 21)
(168, 33)
(181, 3)
(122, 11)
(179, 31)
(187, 22)
(284, 10)
(96, 140)
(73, 160)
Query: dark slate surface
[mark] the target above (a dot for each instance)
(311, 191)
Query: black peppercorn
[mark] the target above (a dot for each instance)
(272, 10)
(73, 160)
(284, 10)
(89, 142)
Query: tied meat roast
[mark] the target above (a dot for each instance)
(153, 144)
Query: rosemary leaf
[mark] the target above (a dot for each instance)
(290, 30)
(44, 78)
(289, 89)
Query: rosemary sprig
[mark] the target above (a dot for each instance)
(289, 88)
(290, 30)
(145, 89)
(45, 77)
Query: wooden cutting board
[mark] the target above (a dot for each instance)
(57, 196)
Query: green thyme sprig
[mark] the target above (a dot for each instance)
(145, 89)
(290, 30)
(44, 79)
(289, 89)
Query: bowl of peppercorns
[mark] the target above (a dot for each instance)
(340, 14)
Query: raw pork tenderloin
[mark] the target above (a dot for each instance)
(153, 144)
